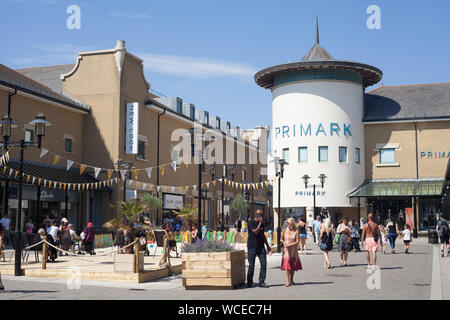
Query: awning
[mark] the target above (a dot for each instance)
(398, 188)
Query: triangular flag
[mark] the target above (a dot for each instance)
(96, 172)
(65, 186)
(158, 188)
(56, 159)
(267, 183)
(110, 172)
(115, 180)
(207, 185)
(180, 189)
(173, 189)
(194, 187)
(165, 189)
(174, 165)
(33, 180)
(50, 184)
(82, 168)
(82, 186)
(11, 171)
(130, 182)
(214, 183)
(4, 169)
(135, 173)
(15, 175)
(70, 185)
(69, 164)
(149, 172)
(162, 170)
(187, 188)
(144, 186)
(28, 178)
(43, 152)
(138, 184)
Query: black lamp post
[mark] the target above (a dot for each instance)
(6, 124)
(322, 178)
(224, 174)
(279, 174)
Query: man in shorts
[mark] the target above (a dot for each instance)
(371, 234)
(442, 228)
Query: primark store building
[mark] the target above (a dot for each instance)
(383, 151)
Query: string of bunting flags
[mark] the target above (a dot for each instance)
(242, 186)
(4, 158)
(97, 170)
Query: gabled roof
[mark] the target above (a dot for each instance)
(407, 102)
(18, 81)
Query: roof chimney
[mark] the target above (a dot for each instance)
(120, 44)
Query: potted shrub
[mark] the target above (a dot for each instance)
(212, 264)
(126, 224)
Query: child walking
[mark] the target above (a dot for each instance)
(407, 237)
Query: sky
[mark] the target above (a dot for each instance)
(207, 52)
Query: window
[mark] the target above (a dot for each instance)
(357, 155)
(141, 149)
(218, 123)
(179, 106)
(303, 154)
(207, 118)
(192, 112)
(286, 154)
(244, 175)
(387, 156)
(323, 154)
(342, 154)
(68, 145)
(28, 135)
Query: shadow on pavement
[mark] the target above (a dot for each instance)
(30, 291)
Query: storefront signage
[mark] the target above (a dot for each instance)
(309, 193)
(131, 194)
(47, 195)
(434, 154)
(132, 128)
(320, 129)
(171, 201)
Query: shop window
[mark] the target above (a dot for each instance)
(387, 156)
(141, 149)
(68, 145)
(303, 154)
(342, 154)
(357, 155)
(323, 154)
(286, 154)
(28, 135)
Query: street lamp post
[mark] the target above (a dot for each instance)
(279, 174)
(322, 178)
(129, 166)
(6, 123)
(224, 174)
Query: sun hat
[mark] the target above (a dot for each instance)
(90, 224)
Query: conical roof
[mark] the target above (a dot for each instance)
(317, 53)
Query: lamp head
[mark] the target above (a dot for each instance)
(306, 180)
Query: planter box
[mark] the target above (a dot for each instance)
(127, 263)
(213, 270)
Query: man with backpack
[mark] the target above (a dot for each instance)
(442, 228)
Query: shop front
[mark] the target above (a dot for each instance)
(413, 202)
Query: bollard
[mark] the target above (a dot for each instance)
(44, 256)
(136, 257)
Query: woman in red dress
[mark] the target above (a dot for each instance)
(291, 261)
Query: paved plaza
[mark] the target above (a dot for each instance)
(420, 275)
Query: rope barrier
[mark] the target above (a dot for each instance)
(98, 255)
(34, 245)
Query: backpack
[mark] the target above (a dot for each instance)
(443, 227)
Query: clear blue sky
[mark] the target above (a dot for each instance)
(207, 52)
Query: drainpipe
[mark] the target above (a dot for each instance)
(415, 199)
(157, 161)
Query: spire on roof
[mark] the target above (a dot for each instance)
(317, 52)
(317, 29)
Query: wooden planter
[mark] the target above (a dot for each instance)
(127, 263)
(213, 270)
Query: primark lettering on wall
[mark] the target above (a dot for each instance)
(434, 154)
(308, 130)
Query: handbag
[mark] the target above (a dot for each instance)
(323, 246)
(337, 236)
(375, 236)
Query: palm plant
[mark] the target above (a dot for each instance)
(153, 203)
(188, 214)
(130, 214)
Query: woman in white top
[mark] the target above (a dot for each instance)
(406, 234)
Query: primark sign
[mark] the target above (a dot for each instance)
(434, 154)
(309, 193)
(307, 129)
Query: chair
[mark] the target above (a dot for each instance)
(32, 239)
(12, 236)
